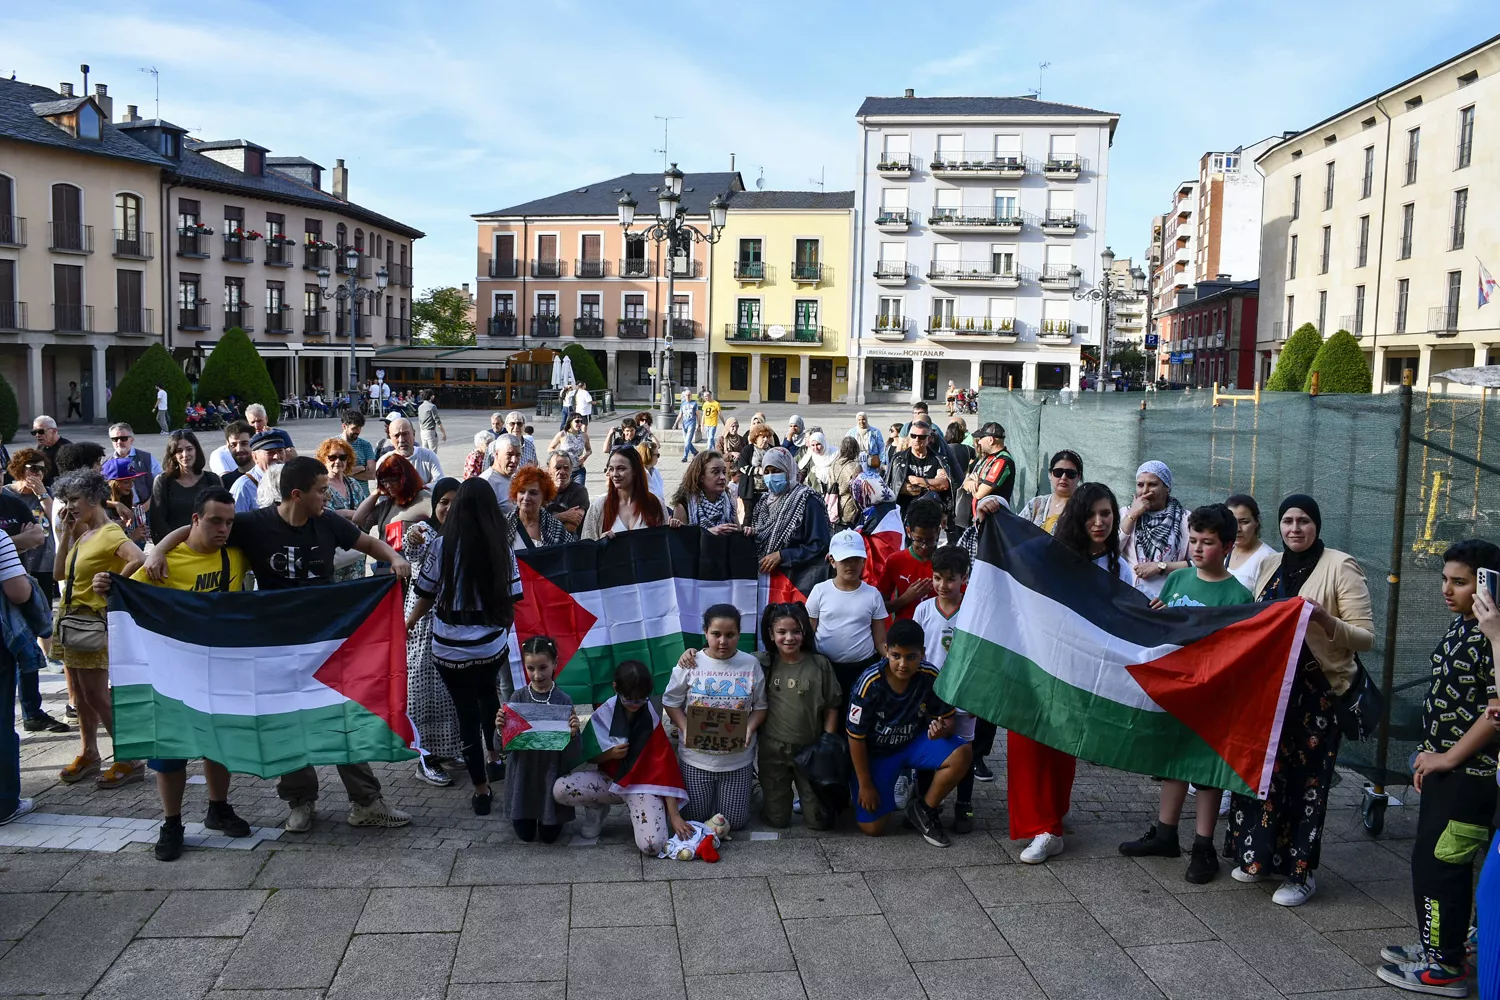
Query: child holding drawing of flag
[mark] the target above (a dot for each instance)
(536, 729)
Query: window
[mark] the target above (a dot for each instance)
(897, 150)
(234, 220)
(89, 122)
(1362, 255)
(67, 218)
(1465, 137)
(1322, 312)
(1008, 148)
(1060, 206)
(1408, 222)
(1403, 292)
(1063, 149)
(1291, 267)
(1460, 217)
(276, 305)
(590, 306)
(546, 304)
(312, 230)
(1291, 302)
(1328, 189)
(893, 203)
(1005, 203)
(130, 317)
(169, 142)
(942, 314)
(275, 226)
(1413, 143)
(750, 263)
(949, 203)
(739, 371)
(636, 264)
(806, 259)
(1359, 310)
(890, 311)
(1367, 181)
(1327, 248)
(342, 237)
(950, 148)
(635, 306)
(643, 368)
(127, 217)
(1455, 294)
(1002, 315)
(1003, 258)
(505, 304)
(1297, 197)
(891, 376)
(187, 301)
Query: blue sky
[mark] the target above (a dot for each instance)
(444, 110)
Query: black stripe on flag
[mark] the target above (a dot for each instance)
(632, 558)
(254, 618)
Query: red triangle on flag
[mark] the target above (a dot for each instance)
(515, 724)
(547, 609)
(1207, 687)
(369, 667)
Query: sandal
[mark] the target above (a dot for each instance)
(81, 768)
(118, 774)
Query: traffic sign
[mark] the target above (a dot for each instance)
(1153, 340)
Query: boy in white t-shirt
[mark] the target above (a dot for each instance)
(938, 615)
(848, 615)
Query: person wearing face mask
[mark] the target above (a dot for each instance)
(789, 524)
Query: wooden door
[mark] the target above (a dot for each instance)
(776, 380)
(820, 380)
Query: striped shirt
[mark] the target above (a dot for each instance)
(10, 562)
(456, 639)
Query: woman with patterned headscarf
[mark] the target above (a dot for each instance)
(789, 525)
(1154, 530)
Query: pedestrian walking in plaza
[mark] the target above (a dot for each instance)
(161, 408)
(629, 503)
(1154, 529)
(430, 422)
(534, 813)
(532, 526)
(428, 704)
(1250, 550)
(711, 410)
(583, 403)
(574, 439)
(174, 494)
(1283, 834)
(687, 421)
(705, 496)
(566, 406)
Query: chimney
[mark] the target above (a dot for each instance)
(65, 89)
(1222, 277)
(340, 180)
(467, 296)
(910, 92)
(105, 102)
(132, 114)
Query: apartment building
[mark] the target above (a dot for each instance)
(1377, 219)
(1128, 315)
(1175, 234)
(560, 269)
(978, 217)
(780, 289)
(1209, 335)
(1228, 216)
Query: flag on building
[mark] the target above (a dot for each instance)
(536, 727)
(265, 681)
(651, 770)
(638, 596)
(1486, 284)
(1050, 646)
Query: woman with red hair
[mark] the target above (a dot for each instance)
(400, 499)
(629, 504)
(531, 526)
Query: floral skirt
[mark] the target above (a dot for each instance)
(1283, 835)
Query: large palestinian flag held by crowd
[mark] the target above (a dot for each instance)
(266, 681)
(1049, 645)
(638, 596)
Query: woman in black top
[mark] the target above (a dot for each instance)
(176, 490)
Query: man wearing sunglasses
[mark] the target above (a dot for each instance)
(921, 469)
(48, 441)
(143, 464)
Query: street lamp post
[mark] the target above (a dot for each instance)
(1106, 292)
(672, 228)
(350, 293)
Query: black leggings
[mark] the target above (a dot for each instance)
(472, 688)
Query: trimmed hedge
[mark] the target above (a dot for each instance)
(134, 399)
(10, 411)
(235, 368)
(584, 368)
(1295, 360)
(1340, 365)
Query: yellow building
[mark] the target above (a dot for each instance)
(780, 297)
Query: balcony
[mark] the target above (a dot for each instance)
(312, 257)
(241, 316)
(1061, 223)
(686, 267)
(791, 333)
(972, 220)
(961, 274)
(635, 328)
(584, 267)
(279, 320)
(1277, 330)
(365, 268)
(549, 269)
(543, 327)
(744, 332)
(194, 317)
(279, 252)
(1055, 276)
(894, 165)
(70, 237)
(504, 267)
(637, 267)
(971, 328)
(12, 315)
(315, 323)
(503, 325)
(891, 328)
(398, 328)
(401, 274)
(1442, 321)
(893, 220)
(750, 272)
(1068, 168)
(804, 273)
(12, 231)
(70, 317)
(341, 262)
(892, 272)
(682, 329)
(1056, 332)
(957, 166)
(588, 326)
(134, 321)
(237, 249)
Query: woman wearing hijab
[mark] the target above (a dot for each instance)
(427, 701)
(1154, 529)
(1284, 834)
(816, 463)
(790, 526)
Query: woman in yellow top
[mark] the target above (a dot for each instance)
(1065, 472)
(90, 545)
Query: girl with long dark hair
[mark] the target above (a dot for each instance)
(1090, 526)
(629, 504)
(176, 490)
(471, 582)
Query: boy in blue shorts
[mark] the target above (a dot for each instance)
(894, 723)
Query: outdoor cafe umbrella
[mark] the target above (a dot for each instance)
(1485, 376)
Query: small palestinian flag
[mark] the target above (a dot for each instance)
(536, 727)
(1051, 646)
(650, 769)
(264, 681)
(638, 596)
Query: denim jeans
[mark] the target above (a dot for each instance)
(689, 431)
(31, 694)
(10, 743)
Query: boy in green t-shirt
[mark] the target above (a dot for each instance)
(1206, 583)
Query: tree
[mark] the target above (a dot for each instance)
(235, 368)
(1296, 358)
(584, 368)
(10, 411)
(441, 317)
(134, 399)
(1340, 366)
(1130, 362)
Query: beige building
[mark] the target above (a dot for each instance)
(1378, 219)
(1127, 316)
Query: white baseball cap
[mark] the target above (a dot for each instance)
(846, 545)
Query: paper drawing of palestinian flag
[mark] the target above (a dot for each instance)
(651, 770)
(1053, 647)
(536, 727)
(638, 596)
(264, 682)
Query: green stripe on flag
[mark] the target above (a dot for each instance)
(540, 739)
(589, 676)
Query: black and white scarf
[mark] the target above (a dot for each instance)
(711, 513)
(778, 518)
(1158, 533)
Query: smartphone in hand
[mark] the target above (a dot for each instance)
(1490, 580)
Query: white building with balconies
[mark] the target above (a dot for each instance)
(977, 219)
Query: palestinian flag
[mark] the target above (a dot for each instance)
(536, 727)
(651, 770)
(1049, 645)
(638, 596)
(265, 681)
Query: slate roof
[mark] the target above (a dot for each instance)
(999, 107)
(226, 144)
(21, 122)
(291, 161)
(603, 197)
(160, 123)
(792, 200)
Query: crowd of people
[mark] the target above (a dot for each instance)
(843, 680)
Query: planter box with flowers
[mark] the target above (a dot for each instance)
(248, 235)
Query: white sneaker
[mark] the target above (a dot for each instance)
(300, 819)
(591, 823)
(377, 813)
(1042, 847)
(23, 807)
(1292, 894)
(1240, 875)
(902, 792)
(797, 803)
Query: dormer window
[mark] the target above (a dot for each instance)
(88, 122)
(255, 162)
(171, 144)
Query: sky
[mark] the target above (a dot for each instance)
(441, 111)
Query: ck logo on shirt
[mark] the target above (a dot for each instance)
(290, 563)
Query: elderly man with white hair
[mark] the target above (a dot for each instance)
(515, 424)
(403, 441)
(507, 452)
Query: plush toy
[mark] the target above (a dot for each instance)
(703, 844)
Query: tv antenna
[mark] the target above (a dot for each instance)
(822, 174)
(666, 122)
(156, 80)
(1041, 70)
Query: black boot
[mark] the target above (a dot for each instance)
(1203, 861)
(1158, 842)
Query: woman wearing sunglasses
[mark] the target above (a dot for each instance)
(1065, 472)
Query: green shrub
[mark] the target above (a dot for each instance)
(1340, 365)
(235, 368)
(1296, 358)
(134, 399)
(10, 411)
(584, 368)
